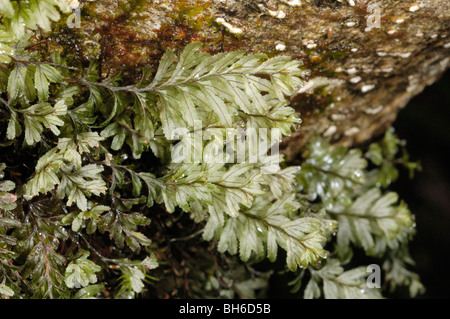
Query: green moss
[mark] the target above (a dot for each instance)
(313, 104)
(192, 14)
(320, 60)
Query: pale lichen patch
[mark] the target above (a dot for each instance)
(403, 55)
(293, 3)
(310, 44)
(320, 81)
(387, 70)
(355, 79)
(280, 46)
(279, 14)
(352, 70)
(329, 131)
(374, 110)
(338, 117)
(352, 131)
(231, 28)
(367, 87)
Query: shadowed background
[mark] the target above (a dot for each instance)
(425, 125)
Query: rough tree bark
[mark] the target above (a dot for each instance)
(367, 58)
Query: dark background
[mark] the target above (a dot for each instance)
(425, 124)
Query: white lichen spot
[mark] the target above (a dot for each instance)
(447, 45)
(338, 117)
(280, 47)
(351, 2)
(350, 24)
(434, 36)
(404, 55)
(293, 3)
(399, 20)
(414, 8)
(351, 131)
(401, 54)
(391, 31)
(375, 110)
(387, 70)
(339, 69)
(382, 53)
(329, 131)
(354, 49)
(352, 70)
(419, 34)
(230, 27)
(311, 45)
(318, 82)
(279, 14)
(367, 87)
(355, 79)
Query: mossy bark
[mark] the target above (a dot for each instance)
(367, 58)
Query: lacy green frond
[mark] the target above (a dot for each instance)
(328, 172)
(373, 221)
(333, 282)
(22, 15)
(260, 230)
(7, 199)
